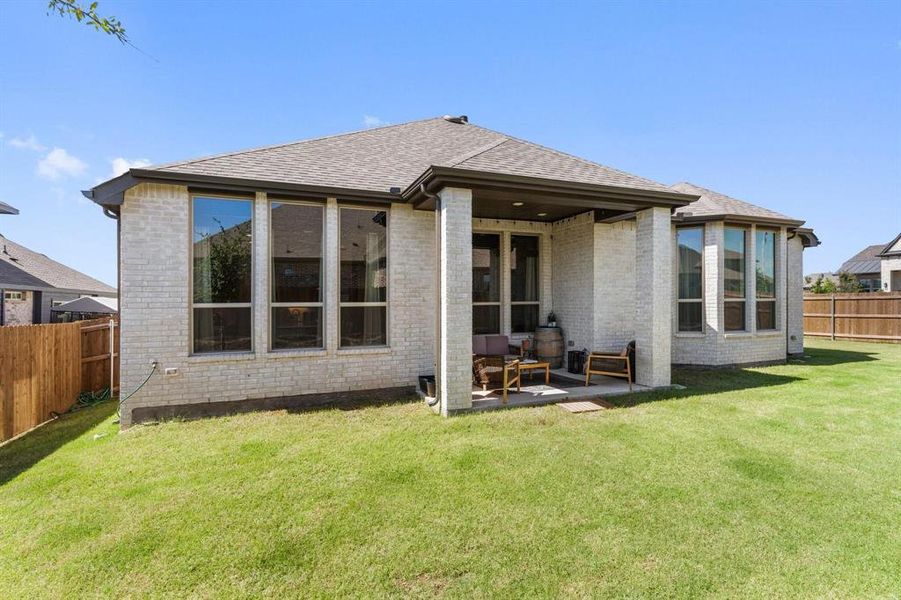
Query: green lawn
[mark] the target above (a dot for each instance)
(779, 481)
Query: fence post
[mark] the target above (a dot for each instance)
(832, 316)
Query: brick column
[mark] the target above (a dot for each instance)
(795, 295)
(332, 276)
(454, 372)
(751, 280)
(653, 303)
(261, 270)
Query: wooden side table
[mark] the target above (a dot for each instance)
(534, 366)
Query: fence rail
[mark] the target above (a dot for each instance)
(871, 317)
(43, 368)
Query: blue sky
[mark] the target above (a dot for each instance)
(796, 107)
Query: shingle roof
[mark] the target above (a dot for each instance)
(13, 275)
(6, 209)
(865, 261)
(46, 270)
(394, 156)
(713, 203)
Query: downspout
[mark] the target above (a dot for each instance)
(438, 240)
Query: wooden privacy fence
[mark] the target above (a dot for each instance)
(872, 316)
(43, 369)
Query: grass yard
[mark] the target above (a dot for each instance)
(779, 481)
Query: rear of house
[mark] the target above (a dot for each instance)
(346, 267)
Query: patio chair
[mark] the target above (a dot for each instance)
(611, 364)
(489, 353)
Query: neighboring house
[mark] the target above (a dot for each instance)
(866, 267)
(31, 283)
(347, 266)
(811, 280)
(890, 265)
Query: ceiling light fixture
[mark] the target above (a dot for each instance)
(542, 214)
(517, 204)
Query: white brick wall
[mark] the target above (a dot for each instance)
(607, 283)
(891, 274)
(155, 312)
(573, 277)
(614, 285)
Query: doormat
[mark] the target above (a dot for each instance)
(584, 406)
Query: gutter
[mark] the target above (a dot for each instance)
(112, 192)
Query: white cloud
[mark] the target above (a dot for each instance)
(122, 165)
(370, 121)
(59, 163)
(29, 143)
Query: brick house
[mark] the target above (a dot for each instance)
(350, 265)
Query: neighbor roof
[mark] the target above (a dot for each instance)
(6, 209)
(44, 271)
(715, 204)
(893, 248)
(865, 261)
(396, 156)
(89, 304)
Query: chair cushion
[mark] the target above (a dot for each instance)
(478, 345)
(497, 345)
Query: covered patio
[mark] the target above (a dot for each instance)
(604, 267)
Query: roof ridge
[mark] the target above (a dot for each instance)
(572, 156)
(282, 145)
(458, 160)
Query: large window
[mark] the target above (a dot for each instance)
(691, 281)
(486, 284)
(735, 278)
(364, 277)
(222, 235)
(296, 255)
(765, 249)
(524, 283)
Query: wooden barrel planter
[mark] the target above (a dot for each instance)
(549, 346)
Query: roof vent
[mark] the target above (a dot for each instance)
(461, 120)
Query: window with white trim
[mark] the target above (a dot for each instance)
(524, 273)
(221, 274)
(296, 236)
(735, 288)
(691, 278)
(363, 299)
(486, 283)
(13, 295)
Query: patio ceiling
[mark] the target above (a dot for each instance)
(518, 206)
(500, 196)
